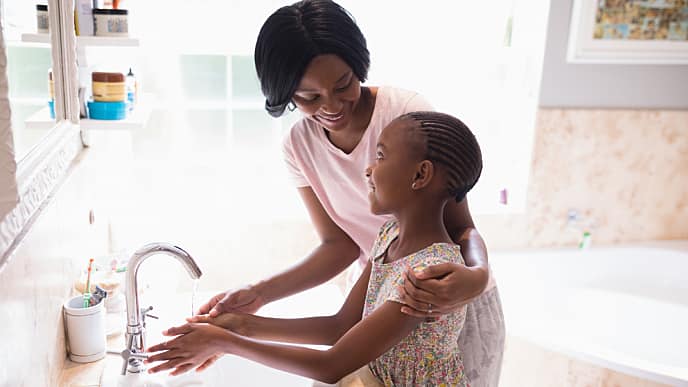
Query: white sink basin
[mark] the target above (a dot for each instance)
(229, 370)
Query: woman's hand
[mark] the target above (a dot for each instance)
(246, 300)
(196, 346)
(441, 289)
(235, 322)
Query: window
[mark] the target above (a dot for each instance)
(479, 61)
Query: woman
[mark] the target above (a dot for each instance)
(311, 56)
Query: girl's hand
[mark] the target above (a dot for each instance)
(235, 322)
(246, 300)
(196, 346)
(441, 289)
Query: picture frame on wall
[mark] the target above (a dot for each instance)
(628, 32)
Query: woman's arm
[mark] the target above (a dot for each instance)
(312, 330)
(459, 224)
(449, 286)
(334, 254)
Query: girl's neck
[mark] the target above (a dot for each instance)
(419, 227)
(347, 139)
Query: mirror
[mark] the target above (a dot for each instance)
(29, 72)
(39, 132)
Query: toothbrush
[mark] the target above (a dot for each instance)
(87, 292)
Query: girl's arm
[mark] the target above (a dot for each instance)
(367, 340)
(449, 286)
(334, 254)
(311, 330)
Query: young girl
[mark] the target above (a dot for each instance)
(424, 160)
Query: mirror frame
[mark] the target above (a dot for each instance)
(44, 168)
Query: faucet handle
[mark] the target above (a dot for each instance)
(145, 313)
(127, 354)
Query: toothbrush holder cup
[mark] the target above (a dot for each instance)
(85, 330)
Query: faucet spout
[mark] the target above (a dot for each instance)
(135, 331)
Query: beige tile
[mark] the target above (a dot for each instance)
(626, 169)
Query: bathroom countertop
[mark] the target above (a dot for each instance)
(88, 374)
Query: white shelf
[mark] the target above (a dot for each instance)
(35, 38)
(137, 119)
(86, 41)
(40, 120)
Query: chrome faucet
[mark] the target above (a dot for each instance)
(134, 353)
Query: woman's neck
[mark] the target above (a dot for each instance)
(348, 138)
(419, 227)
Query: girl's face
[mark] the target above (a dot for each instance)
(329, 92)
(391, 177)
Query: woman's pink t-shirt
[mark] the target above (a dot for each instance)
(337, 178)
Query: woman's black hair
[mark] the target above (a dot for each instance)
(295, 34)
(451, 144)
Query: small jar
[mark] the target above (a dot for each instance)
(108, 87)
(111, 22)
(42, 18)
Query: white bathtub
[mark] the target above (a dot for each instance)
(624, 308)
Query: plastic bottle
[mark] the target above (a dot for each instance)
(51, 93)
(131, 89)
(585, 241)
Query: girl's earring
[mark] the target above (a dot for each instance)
(413, 186)
(291, 106)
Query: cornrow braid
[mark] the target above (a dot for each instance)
(451, 144)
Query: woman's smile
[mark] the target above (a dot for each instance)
(331, 119)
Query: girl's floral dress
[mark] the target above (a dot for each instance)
(429, 355)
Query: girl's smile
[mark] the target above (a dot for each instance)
(390, 178)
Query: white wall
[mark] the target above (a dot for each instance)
(604, 85)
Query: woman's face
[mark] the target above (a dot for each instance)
(391, 177)
(328, 92)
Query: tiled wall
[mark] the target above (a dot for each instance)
(34, 284)
(624, 170)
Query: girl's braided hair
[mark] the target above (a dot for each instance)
(449, 143)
